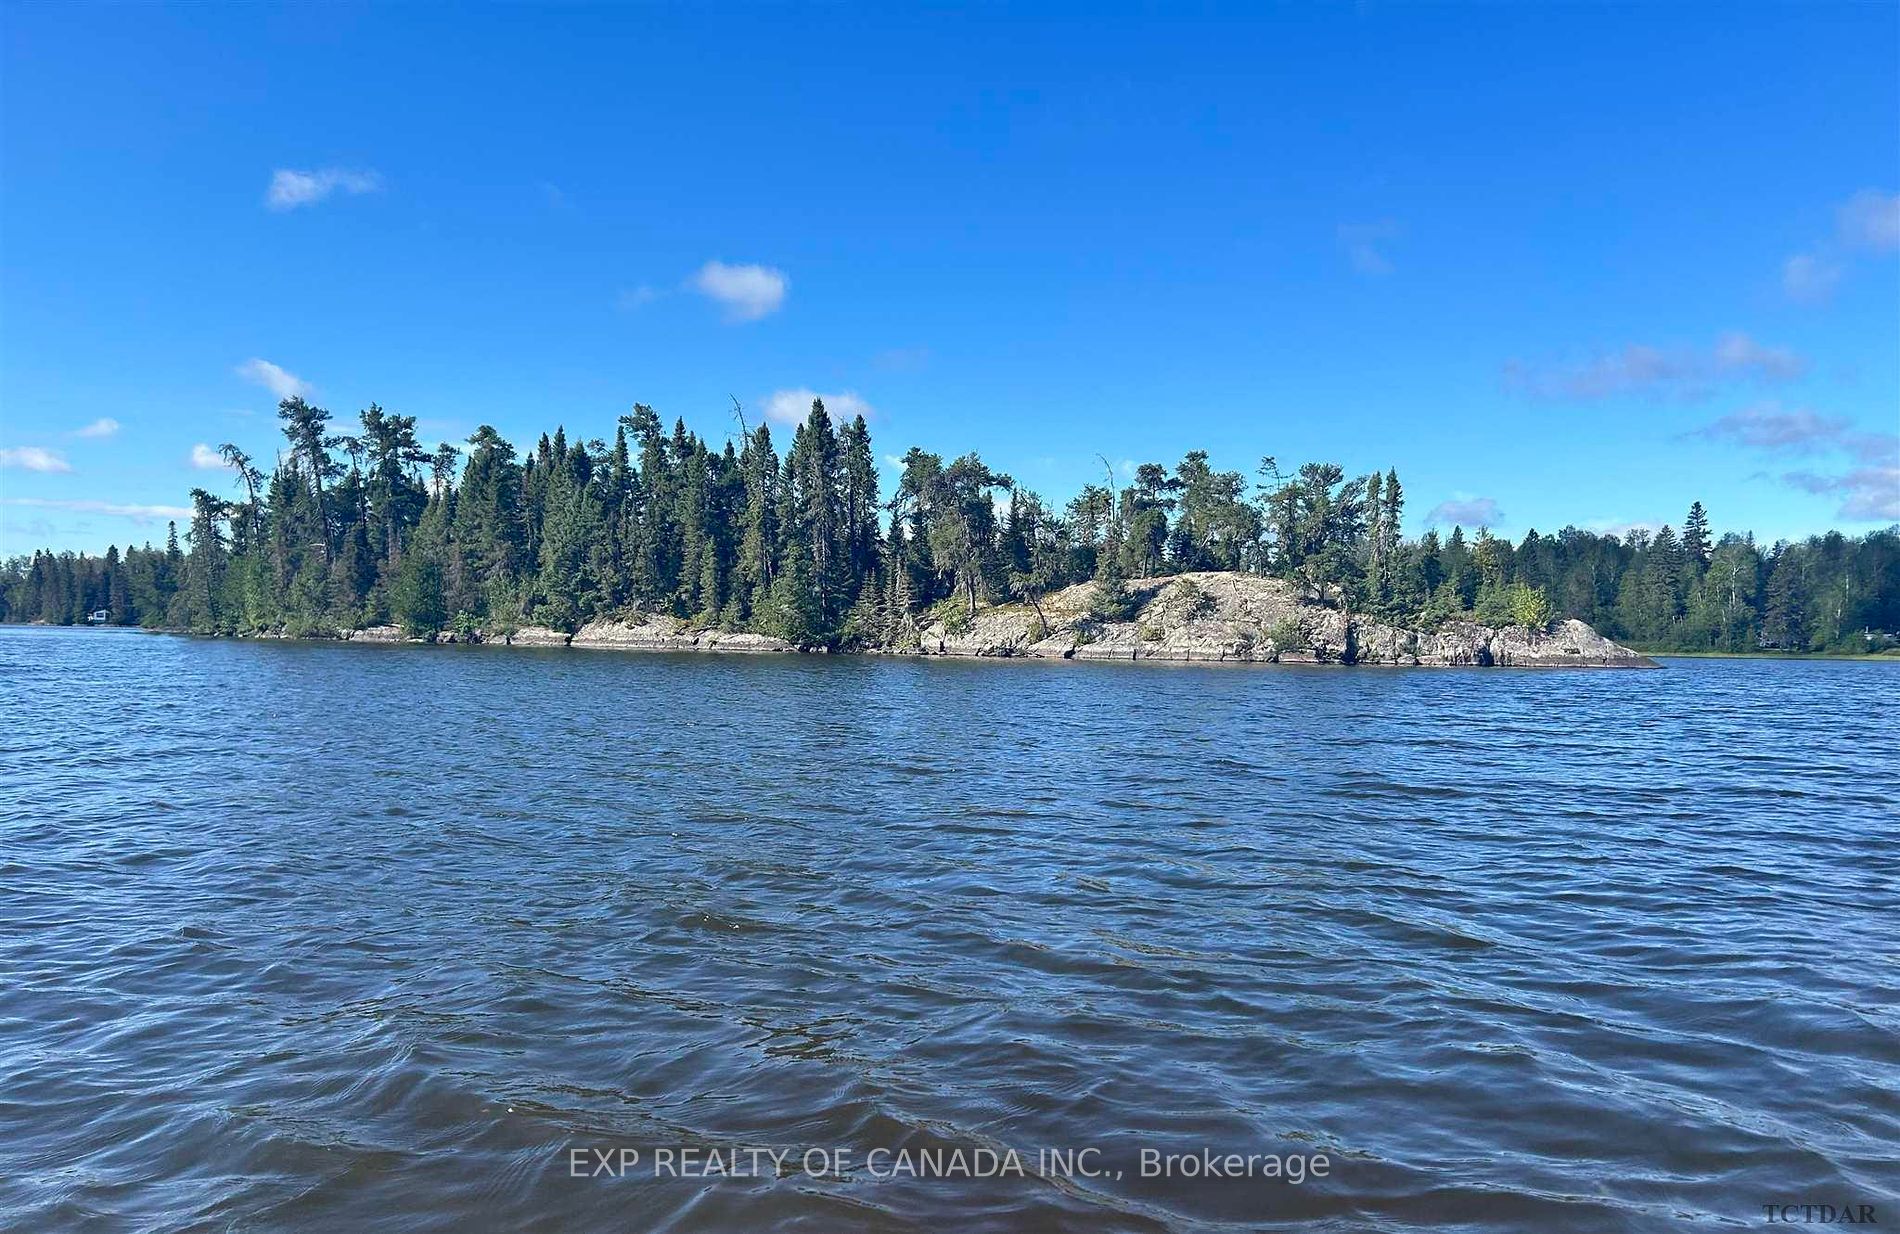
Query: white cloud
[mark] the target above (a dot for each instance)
(1736, 354)
(1622, 527)
(1657, 372)
(1871, 220)
(1870, 485)
(278, 381)
(1466, 512)
(1363, 243)
(1866, 223)
(793, 406)
(104, 426)
(746, 292)
(33, 458)
(631, 298)
(204, 458)
(1870, 494)
(138, 514)
(1809, 279)
(290, 188)
(1773, 429)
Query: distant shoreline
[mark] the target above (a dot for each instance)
(1876, 656)
(357, 636)
(1198, 617)
(374, 637)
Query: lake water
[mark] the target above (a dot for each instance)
(358, 938)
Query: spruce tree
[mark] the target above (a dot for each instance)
(1695, 538)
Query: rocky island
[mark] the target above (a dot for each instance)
(668, 542)
(1202, 616)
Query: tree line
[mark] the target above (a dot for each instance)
(368, 528)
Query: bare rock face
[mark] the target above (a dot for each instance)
(378, 634)
(1456, 643)
(740, 641)
(650, 633)
(1204, 616)
(538, 636)
(1568, 643)
(654, 632)
(1214, 616)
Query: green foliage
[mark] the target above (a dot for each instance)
(1530, 606)
(1194, 602)
(417, 601)
(1287, 634)
(1111, 601)
(793, 613)
(369, 527)
(953, 615)
(1493, 605)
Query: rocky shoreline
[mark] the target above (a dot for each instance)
(1207, 617)
(1214, 617)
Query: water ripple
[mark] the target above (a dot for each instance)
(364, 938)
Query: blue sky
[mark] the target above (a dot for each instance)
(1556, 264)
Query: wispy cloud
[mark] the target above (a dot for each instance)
(747, 293)
(1869, 494)
(1772, 429)
(1467, 512)
(1364, 245)
(33, 458)
(1657, 372)
(1866, 224)
(1809, 279)
(290, 188)
(279, 381)
(1869, 487)
(1871, 221)
(792, 406)
(631, 298)
(204, 458)
(104, 426)
(138, 514)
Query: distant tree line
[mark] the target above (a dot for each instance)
(369, 528)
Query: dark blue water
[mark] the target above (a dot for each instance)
(358, 938)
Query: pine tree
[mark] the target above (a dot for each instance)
(759, 541)
(1784, 619)
(1695, 538)
(307, 429)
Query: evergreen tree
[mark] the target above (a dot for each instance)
(1784, 619)
(367, 528)
(1695, 538)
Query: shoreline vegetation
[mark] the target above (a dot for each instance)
(662, 540)
(1201, 618)
(1890, 656)
(394, 635)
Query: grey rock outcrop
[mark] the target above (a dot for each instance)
(1222, 616)
(660, 633)
(538, 636)
(1204, 616)
(378, 634)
